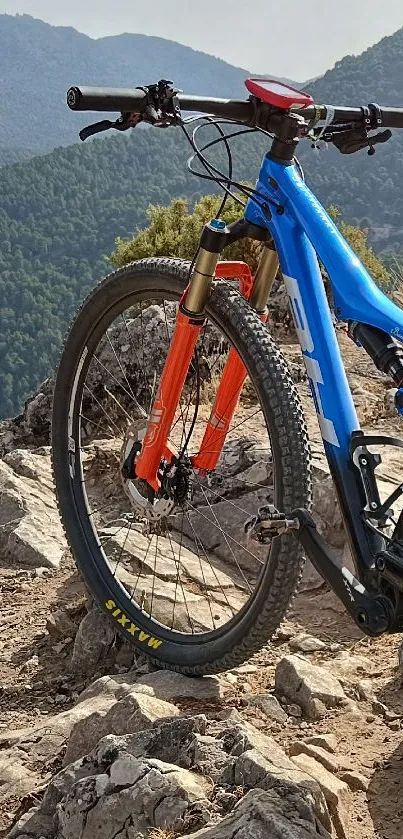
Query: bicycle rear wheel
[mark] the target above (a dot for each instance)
(188, 589)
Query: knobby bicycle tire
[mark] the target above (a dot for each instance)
(267, 369)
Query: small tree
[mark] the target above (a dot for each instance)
(174, 231)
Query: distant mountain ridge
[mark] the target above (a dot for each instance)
(39, 62)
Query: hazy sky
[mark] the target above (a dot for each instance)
(295, 38)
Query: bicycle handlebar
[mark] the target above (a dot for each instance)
(238, 110)
(133, 101)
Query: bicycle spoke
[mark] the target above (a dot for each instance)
(223, 498)
(87, 419)
(113, 535)
(197, 542)
(98, 510)
(246, 419)
(226, 535)
(140, 564)
(228, 544)
(169, 337)
(201, 570)
(142, 339)
(141, 366)
(221, 416)
(120, 366)
(102, 408)
(122, 546)
(154, 575)
(178, 578)
(120, 406)
(130, 395)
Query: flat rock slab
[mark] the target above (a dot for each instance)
(305, 643)
(167, 685)
(133, 548)
(269, 705)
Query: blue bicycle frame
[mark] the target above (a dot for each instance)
(302, 232)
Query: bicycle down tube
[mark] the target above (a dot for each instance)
(303, 230)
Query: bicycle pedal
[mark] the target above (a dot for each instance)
(268, 523)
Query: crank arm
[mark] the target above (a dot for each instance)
(372, 613)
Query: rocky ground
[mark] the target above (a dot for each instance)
(305, 740)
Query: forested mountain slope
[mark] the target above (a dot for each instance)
(39, 62)
(367, 189)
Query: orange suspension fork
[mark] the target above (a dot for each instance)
(256, 290)
(189, 322)
(187, 330)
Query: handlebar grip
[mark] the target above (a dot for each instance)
(105, 99)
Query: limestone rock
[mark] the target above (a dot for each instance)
(35, 822)
(337, 793)
(31, 428)
(355, 780)
(113, 707)
(262, 763)
(327, 760)
(307, 684)
(134, 712)
(60, 624)
(94, 636)
(264, 815)
(30, 530)
(16, 778)
(326, 509)
(325, 741)
(149, 793)
(350, 667)
(269, 705)
(171, 740)
(305, 643)
(162, 777)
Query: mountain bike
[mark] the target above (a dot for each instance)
(180, 451)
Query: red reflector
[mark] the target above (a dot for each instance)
(278, 94)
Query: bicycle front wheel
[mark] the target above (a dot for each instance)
(188, 588)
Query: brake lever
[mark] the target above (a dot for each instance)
(162, 109)
(124, 122)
